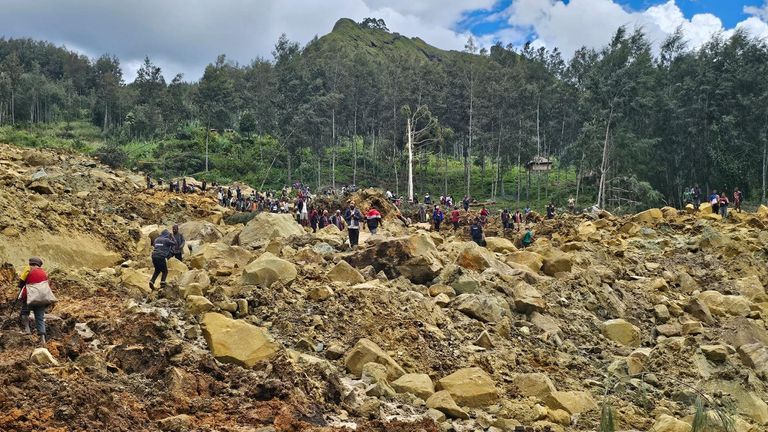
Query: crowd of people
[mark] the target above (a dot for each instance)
(719, 202)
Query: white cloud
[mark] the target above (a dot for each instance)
(760, 12)
(591, 23)
(184, 35)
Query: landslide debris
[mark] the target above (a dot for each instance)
(267, 327)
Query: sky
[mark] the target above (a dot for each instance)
(183, 36)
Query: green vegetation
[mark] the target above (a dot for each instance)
(625, 128)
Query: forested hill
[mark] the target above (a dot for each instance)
(629, 124)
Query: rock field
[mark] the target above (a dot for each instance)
(265, 327)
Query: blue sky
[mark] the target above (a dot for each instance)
(730, 12)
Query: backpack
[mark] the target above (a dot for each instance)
(40, 294)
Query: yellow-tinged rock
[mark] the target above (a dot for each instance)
(499, 244)
(267, 269)
(366, 351)
(471, 387)
(648, 216)
(443, 402)
(236, 341)
(666, 423)
(711, 216)
(532, 260)
(621, 331)
(343, 272)
(574, 402)
(418, 384)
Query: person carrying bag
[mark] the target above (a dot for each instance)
(35, 295)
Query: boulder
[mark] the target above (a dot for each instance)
(177, 423)
(720, 304)
(366, 351)
(197, 305)
(343, 272)
(198, 277)
(320, 293)
(43, 357)
(585, 229)
(648, 216)
(621, 331)
(537, 385)
(715, 353)
(414, 257)
(331, 236)
(499, 244)
(528, 259)
(483, 307)
(555, 262)
(574, 402)
(236, 341)
(200, 230)
(443, 402)
(136, 282)
(417, 384)
(527, 299)
(471, 387)
(699, 310)
(630, 229)
(219, 255)
(755, 356)
(667, 423)
(477, 258)
(267, 269)
(267, 226)
(751, 288)
(467, 283)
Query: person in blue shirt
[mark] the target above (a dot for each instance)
(476, 233)
(437, 217)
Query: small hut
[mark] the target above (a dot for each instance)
(539, 163)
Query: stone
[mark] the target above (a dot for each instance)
(574, 402)
(343, 272)
(373, 373)
(751, 288)
(438, 289)
(436, 415)
(667, 423)
(527, 299)
(755, 356)
(178, 423)
(417, 384)
(479, 259)
(366, 351)
(499, 244)
(484, 340)
(443, 402)
(622, 332)
(197, 305)
(483, 307)
(268, 226)
(43, 357)
(648, 216)
(536, 385)
(555, 262)
(471, 387)
(670, 329)
(630, 229)
(528, 259)
(213, 256)
(268, 269)
(200, 230)
(41, 186)
(699, 310)
(722, 305)
(236, 341)
(442, 300)
(661, 312)
(692, 327)
(715, 353)
(198, 277)
(414, 257)
(320, 293)
(136, 282)
(466, 284)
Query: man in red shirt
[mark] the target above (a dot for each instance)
(33, 274)
(455, 218)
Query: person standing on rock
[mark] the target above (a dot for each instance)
(427, 199)
(465, 202)
(737, 197)
(338, 221)
(455, 218)
(353, 218)
(505, 218)
(314, 220)
(422, 214)
(723, 205)
(714, 200)
(484, 215)
(572, 205)
(696, 195)
(551, 211)
(178, 242)
(517, 220)
(162, 249)
(476, 232)
(324, 220)
(34, 278)
(437, 217)
(373, 220)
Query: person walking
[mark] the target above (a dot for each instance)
(723, 205)
(437, 217)
(162, 249)
(455, 218)
(476, 232)
(517, 220)
(353, 217)
(178, 243)
(324, 220)
(696, 194)
(465, 203)
(714, 200)
(572, 205)
(551, 211)
(422, 214)
(314, 220)
(35, 295)
(505, 217)
(338, 221)
(373, 220)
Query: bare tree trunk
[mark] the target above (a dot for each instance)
(409, 132)
(765, 156)
(578, 177)
(354, 157)
(604, 163)
(207, 134)
(468, 153)
(519, 168)
(333, 149)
